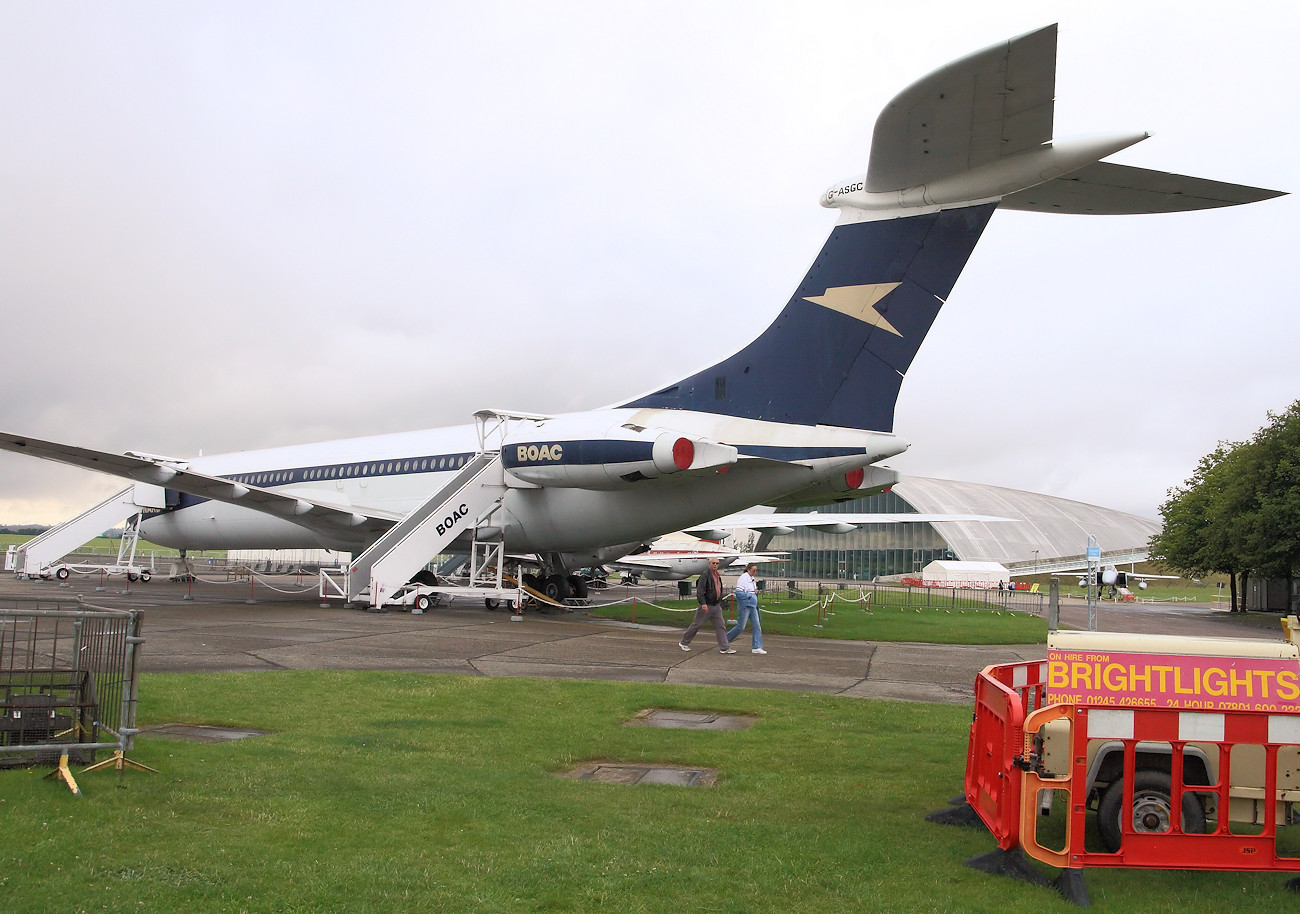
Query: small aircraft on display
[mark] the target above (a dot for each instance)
(583, 488)
(1118, 581)
(673, 559)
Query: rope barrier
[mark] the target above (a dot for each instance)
(691, 609)
(238, 580)
(791, 612)
(252, 577)
(863, 597)
(262, 581)
(627, 601)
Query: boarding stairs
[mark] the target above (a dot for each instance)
(471, 503)
(466, 503)
(40, 553)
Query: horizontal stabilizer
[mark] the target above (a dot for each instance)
(1108, 189)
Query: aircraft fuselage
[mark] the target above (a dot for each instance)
(392, 474)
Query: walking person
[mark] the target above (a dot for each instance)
(747, 609)
(708, 590)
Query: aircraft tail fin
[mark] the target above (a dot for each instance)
(837, 353)
(946, 152)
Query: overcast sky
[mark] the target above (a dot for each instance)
(238, 225)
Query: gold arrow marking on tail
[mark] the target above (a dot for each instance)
(859, 302)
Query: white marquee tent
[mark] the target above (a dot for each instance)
(954, 574)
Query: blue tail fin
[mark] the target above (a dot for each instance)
(837, 353)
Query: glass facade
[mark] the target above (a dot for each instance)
(864, 554)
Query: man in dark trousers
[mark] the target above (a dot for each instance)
(708, 590)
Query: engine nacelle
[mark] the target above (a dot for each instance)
(856, 483)
(571, 453)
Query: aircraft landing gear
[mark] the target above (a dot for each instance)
(557, 587)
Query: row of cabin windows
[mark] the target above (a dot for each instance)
(421, 465)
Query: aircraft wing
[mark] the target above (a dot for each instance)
(176, 474)
(641, 563)
(759, 558)
(1108, 189)
(781, 524)
(1081, 569)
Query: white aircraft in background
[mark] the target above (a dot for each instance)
(803, 415)
(674, 559)
(1112, 577)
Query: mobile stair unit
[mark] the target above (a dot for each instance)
(39, 556)
(469, 503)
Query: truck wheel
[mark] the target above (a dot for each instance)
(491, 602)
(62, 574)
(423, 603)
(132, 576)
(1151, 809)
(145, 575)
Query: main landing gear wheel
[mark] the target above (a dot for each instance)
(1152, 809)
(557, 588)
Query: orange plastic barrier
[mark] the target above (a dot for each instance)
(1004, 696)
(1181, 771)
(1158, 787)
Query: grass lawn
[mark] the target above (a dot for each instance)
(396, 792)
(891, 618)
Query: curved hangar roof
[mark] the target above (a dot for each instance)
(1055, 527)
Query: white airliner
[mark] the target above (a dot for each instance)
(674, 559)
(803, 415)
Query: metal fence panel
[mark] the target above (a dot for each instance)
(68, 681)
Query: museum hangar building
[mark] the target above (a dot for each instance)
(1036, 532)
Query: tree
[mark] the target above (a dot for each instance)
(1195, 538)
(1239, 512)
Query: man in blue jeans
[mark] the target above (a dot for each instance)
(747, 608)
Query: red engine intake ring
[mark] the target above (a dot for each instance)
(683, 453)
